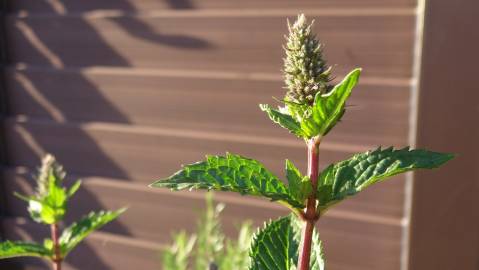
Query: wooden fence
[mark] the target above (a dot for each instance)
(123, 92)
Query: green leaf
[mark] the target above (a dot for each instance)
(329, 108)
(41, 210)
(276, 246)
(299, 186)
(78, 231)
(73, 189)
(284, 120)
(54, 204)
(230, 173)
(307, 121)
(348, 177)
(50, 206)
(11, 249)
(317, 255)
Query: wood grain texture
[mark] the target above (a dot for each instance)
(66, 6)
(124, 91)
(382, 45)
(201, 104)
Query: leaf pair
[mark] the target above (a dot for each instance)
(337, 182)
(69, 239)
(306, 121)
(275, 247)
(50, 207)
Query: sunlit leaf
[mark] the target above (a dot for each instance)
(348, 177)
(230, 173)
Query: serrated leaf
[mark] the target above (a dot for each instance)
(11, 249)
(78, 231)
(348, 177)
(317, 254)
(284, 120)
(230, 173)
(276, 246)
(299, 185)
(329, 108)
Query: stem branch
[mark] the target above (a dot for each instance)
(57, 256)
(310, 216)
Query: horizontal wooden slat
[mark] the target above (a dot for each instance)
(64, 6)
(341, 235)
(123, 151)
(378, 115)
(141, 157)
(382, 45)
(123, 92)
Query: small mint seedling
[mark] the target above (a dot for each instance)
(310, 109)
(208, 248)
(48, 206)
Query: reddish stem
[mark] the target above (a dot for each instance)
(310, 216)
(57, 256)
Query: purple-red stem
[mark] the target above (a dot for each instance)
(310, 216)
(57, 256)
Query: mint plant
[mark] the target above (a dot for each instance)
(49, 206)
(312, 106)
(208, 247)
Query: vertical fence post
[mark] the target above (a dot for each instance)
(3, 110)
(445, 215)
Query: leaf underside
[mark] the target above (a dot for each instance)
(78, 231)
(11, 249)
(349, 177)
(284, 120)
(275, 247)
(230, 173)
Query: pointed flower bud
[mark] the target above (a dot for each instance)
(305, 71)
(50, 168)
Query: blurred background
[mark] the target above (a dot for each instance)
(123, 92)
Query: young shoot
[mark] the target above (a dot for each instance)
(48, 206)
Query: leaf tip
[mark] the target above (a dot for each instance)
(448, 156)
(121, 210)
(157, 184)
